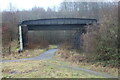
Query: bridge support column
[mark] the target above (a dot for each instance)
(77, 41)
(23, 37)
(20, 39)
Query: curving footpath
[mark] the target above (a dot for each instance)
(50, 54)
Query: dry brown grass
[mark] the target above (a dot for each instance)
(81, 60)
(10, 51)
(72, 56)
(25, 54)
(65, 45)
(42, 69)
(41, 44)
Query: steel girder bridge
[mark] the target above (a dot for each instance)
(77, 24)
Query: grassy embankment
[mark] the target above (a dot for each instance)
(76, 59)
(28, 53)
(41, 69)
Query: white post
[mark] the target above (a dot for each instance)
(20, 38)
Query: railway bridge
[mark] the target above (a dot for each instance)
(77, 24)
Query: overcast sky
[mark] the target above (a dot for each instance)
(28, 4)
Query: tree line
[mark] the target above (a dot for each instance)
(100, 39)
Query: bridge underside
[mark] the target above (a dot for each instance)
(52, 24)
(56, 27)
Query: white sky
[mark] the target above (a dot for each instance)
(27, 4)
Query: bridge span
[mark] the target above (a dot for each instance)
(77, 24)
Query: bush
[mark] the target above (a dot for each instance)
(100, 42)
(40, 45)
(12, 47)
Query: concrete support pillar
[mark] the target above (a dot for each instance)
(23, 37)
(77, 41)
(20, 38)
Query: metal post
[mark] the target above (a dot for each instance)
(20, 38)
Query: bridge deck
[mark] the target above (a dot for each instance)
(57, 23)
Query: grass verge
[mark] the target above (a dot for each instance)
(76, 59)
(41, 69)
(27, 53)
